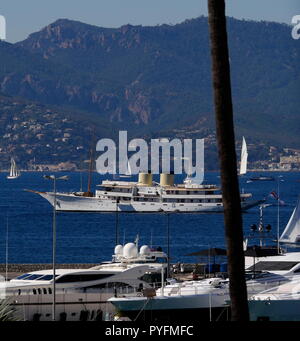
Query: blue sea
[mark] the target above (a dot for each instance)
(90, 237)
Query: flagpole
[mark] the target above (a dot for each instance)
(278, 247)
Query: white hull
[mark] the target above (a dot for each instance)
(192, 297)
(74, 203)
(76, 306)
(193, 301)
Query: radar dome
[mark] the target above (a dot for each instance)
(119, 250)
(145, 250)
(130, 250)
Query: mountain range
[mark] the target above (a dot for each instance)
(151, 81)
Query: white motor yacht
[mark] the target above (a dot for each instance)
(82, 294)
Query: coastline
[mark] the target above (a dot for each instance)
(212, 171)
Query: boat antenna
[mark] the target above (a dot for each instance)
(89, 193)
(6, 250)
(117, 221)
(124, 236)
(136, 242)
(278, 212)
(168, 243)
(81, 182)
(90, 171)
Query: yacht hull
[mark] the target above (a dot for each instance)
(69, 307)
(166, 308)
(274, 310)
(78, 203)
(200, 315)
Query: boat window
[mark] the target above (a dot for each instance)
(272, 266)
(23, 276)
(46, 278)
(33, 277)
(151, 278)
(255, 275)
(114, 285)
(81, 278)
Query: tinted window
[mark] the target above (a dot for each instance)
(81, 278)
(23, 276)
(273, 266)
(114, 285)
(46, 278)
(33, 277)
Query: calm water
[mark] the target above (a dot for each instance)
(90, 237)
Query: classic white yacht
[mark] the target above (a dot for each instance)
(81, 294)
(147, 196)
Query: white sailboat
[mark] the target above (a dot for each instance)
(291, 233)
(128, 171)
(14, 172)
(244, 158)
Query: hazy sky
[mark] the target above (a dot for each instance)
(27, 16)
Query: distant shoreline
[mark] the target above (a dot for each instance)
(212, 171)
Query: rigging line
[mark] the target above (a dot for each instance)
(144, 306)
(225, 309)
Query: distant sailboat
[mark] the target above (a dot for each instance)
(128, 171)
(14, 172)
(244, 158)
(291, 233)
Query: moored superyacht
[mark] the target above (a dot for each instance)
(145, 195)
(82, 294)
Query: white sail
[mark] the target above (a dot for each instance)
(14, 172)
(291, 233)
(128, 171)
(244, 157)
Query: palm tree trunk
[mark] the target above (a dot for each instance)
(227, 159)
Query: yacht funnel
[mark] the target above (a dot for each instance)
(145, 179)
(166, 179)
